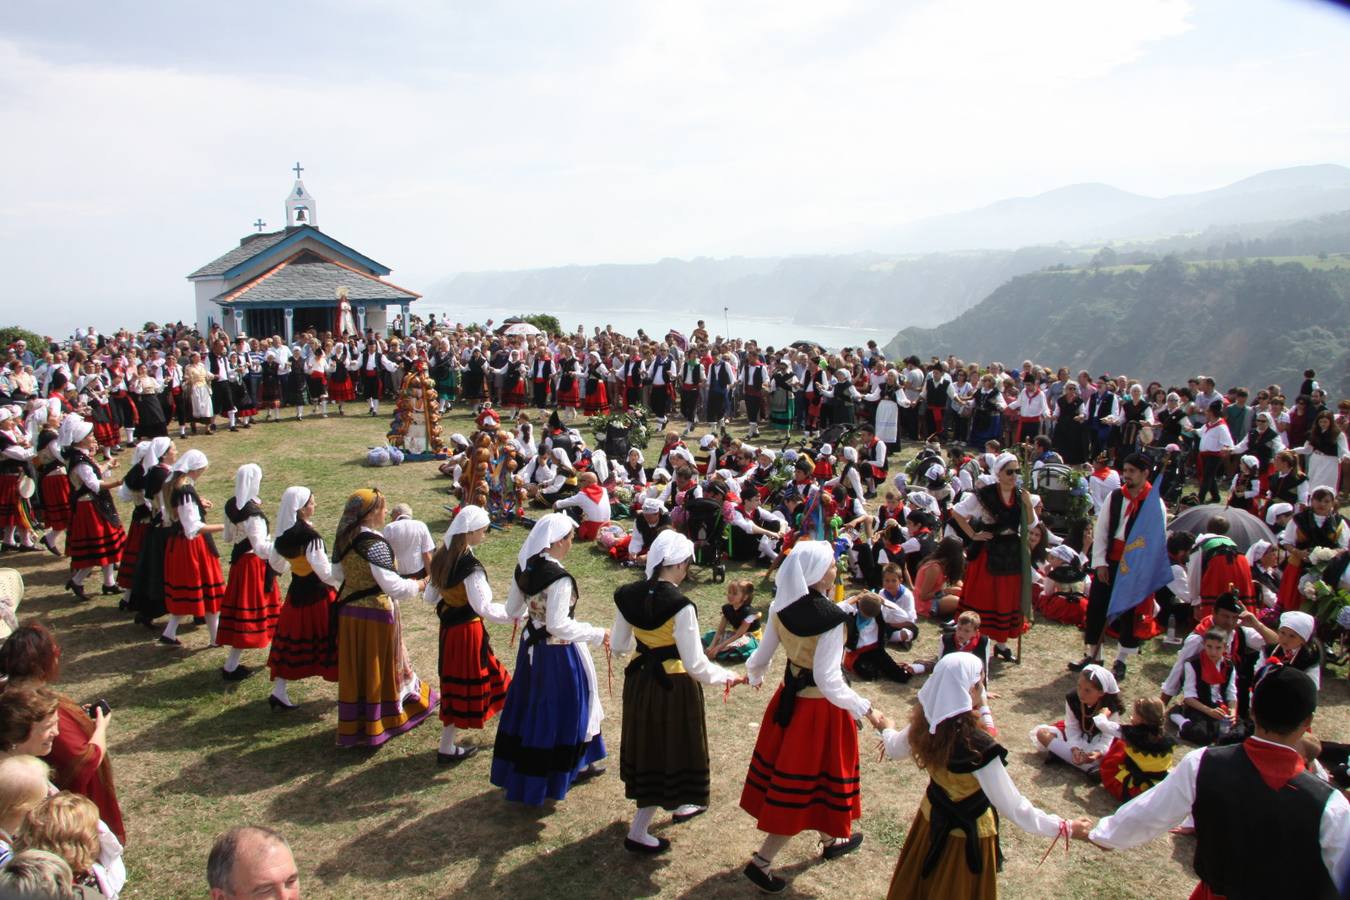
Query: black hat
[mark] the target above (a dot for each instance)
(1283, 700)
(1228, 602)
(1140, 461)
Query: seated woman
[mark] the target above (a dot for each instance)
(937, 583)
(1077, 738)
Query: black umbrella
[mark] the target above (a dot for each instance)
(1244, 528)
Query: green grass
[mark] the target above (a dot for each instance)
(193, 756)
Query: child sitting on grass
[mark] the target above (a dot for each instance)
(737, 634)
(1208, 708)
(1140, 754)
(871, 623)
(1078, 738)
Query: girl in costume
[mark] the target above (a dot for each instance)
(16, 518)
(54, 488)
(663, 760)
(549, 734)
(1077, 738)
(379, 694)
(95, 537)
(739, 629)
(193, 584)
(133, 492)
(302, 644)
(147, 585)
(473, 682)
(804, 772)
(248, 614)
(952, 849)
(1140, 754)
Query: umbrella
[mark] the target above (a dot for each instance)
(520, 328)
(1244, 528)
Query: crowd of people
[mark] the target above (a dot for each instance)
(863, 560)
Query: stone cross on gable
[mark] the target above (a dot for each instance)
(260, 224)
(297, 171)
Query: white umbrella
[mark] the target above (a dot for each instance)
(521, 328)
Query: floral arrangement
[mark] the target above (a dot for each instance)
(1325, 602)
(634, 419)
(1080, 504)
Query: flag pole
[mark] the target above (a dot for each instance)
(1025, 540)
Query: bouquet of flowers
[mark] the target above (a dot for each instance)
(633, 419)
(1324, 598)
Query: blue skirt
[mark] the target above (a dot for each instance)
(541, 743)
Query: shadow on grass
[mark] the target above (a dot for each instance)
(597, 861)
(733, 883)
(481, 828)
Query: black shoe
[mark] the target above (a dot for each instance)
(199, 620)
(109, 589)
(588, 773)
(51, 548)
(1003, 653)
(453, 759)
(170, 641)
(273, 702)
(948, 626)
(632, 846)
(834, 851)
(233, 428)
(123, 605)
(1118, 669)
(769, 884)
(248, 424)
(239, 673)
(679, 818)
(1083, 664)
(77, 590)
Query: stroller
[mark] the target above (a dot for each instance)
(707, 529)
(1051, 482)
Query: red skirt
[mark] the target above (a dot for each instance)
(597, 401)
(248, 614)
(11, 504)
(193, 584)
(997, 598)
(1066, 609)
(514, 396)
(570, 397)
(301, 646)
(56, 500)
(805, 777)
(92, 541)
(1289, 599)
(1219, 573)
(131, 553)
(106, 433)
(588, 530)
(473, 682)
(341, 390)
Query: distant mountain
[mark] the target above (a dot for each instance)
(934, 279)
(1244, 323)
(1099, 213)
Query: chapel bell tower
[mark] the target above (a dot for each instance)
(300, 207)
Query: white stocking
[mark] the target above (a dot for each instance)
(212, 625)
(109, 575)
(232, 661)
(79, 575)
(638, 831)
(279, 691)
(448, 745)
(171, 630)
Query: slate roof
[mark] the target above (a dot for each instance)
(247, 249)
(306, 276)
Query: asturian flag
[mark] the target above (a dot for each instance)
(1145, 566)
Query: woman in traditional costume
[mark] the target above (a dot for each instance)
(952, 849)
(379, 694)
(54, 489)
(133, 492)
(597, 394)
(302, 643)
(147, 585)
(1324, 448)
(295, 384)
(804, 773)
(16, 518)
(197, 386)
(473, 682)
(663, 757)
(95, 537)
(549, 734)
(193, 583)
(991, 517)
(248, 614)
(341, 385)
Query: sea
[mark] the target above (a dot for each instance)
(766, 330)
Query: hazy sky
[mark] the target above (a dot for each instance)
(143, 138)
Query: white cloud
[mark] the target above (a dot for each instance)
(686, 128)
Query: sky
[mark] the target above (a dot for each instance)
(142, 139)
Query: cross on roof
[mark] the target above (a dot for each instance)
(297, 171)
(260, 224)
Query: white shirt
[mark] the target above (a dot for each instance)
(590, 509)
(479, 594)
(254, 528)
(1215, 437)
(410, 539)
(1099, 489)
(1031, 406)
(1193, 646)
(688, 642)
(826, 664)
(1169, 802)
(997, 786)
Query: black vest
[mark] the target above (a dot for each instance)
(1312, 535)
(1258, 445)
(1284, 488)
(1235, 812)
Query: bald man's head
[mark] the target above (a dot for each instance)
(252, 861)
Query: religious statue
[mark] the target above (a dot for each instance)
(416, 426)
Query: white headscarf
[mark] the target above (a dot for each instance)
(138, 455)
(1300, 623)
(1002, 461)
(293, 499)
(851, 454)
(681, 453)
(1103, 677)
(707, 441)
(641, 459)
(924, 501)
(158, 447)
(805, 565)
(1256, 551)
(600, 465)
(247, 480)
(669, 549)
(547, 531)
(560, 455)
(467, 518)
(191, 461)
(1275, 510)
(653, 505)
(946, 693)
(1250, 461)
(73, 430)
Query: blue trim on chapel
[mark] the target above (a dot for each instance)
(304, 231)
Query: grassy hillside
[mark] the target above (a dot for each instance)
(1245, 322)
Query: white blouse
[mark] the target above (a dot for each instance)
(688, 641)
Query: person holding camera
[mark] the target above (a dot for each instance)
(79, 753)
